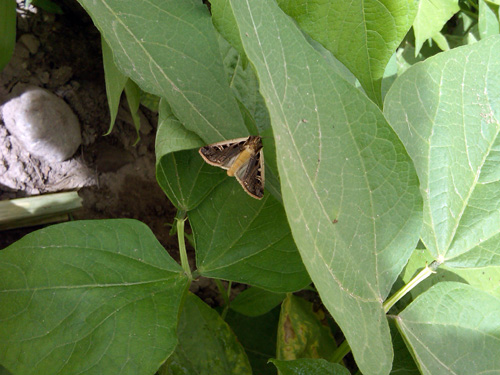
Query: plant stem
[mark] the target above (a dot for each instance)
(472, 5)
(341, 352)
(422, 275)
(181, 219)
(225, 293)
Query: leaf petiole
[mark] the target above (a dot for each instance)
(422, 275)
(181, 219)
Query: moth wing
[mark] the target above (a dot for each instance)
(223, 154)
(251, 175)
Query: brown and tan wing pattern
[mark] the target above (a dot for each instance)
(223, 154)
(251, 175)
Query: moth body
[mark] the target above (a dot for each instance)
(242, 158)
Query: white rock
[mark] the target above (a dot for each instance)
(43, 124)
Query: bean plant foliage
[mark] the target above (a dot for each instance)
(382, 163)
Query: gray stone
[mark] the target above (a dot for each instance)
(43, 124)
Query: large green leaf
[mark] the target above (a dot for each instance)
(258, 337)
(7, 31)
(171, 50)
(403, 361)
(225, 23)
(362, 34)
(247, 240)
(453, 328)
(309, 367)
(88, 297)
(349, 189)
(446, 110)
(255, 301)
(207, 346)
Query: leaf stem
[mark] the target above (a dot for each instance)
(341, 352)
(472, 5)
(422, 275)
(181, 219)
(225, 293)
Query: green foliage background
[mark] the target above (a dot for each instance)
(369, 148)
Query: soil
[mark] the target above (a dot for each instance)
(62, 53)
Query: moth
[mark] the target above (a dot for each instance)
(243, 158)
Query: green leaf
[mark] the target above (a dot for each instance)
(150, 101)
(224, 21)
(303, 332)
(363, 38)
(243, 239)
(115, 82)
(48, 6)
(453, 328)
(446, 110)
(309, 367)
(133, 93)
(88, 297)
(7, 31)
(488, 21)
(258, 337)
(186, 179)
(4, 371)
(403, 361)
(255, 301)
(172, 135)
(349, 189)
(431, 17)
(245, 87)
(171, 50)
(206, 344)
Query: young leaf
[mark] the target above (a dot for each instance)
(348, 186)
(186, 179)
(115, 82)
(447, 113)
(255, 301)
(206, 344)
(363, 38)
(101, 295)
(453, 328)
(171, 50)
(430, 19)
(254, 247)
(488, 18)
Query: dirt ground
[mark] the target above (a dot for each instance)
(62, 53)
